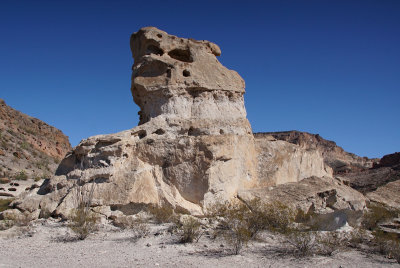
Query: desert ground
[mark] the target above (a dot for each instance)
(49, 242)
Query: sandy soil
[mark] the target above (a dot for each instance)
(49, 244)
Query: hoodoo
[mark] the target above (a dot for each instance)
(193, 147)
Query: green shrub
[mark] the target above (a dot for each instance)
(25, 146)
(21, 176)
(4, 204)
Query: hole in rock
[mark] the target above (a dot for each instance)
(152, 49)
(159, 131)
(12, 189)
(181, 55)
(221, 132)
(159, 35)
(142, 134)
(186, 73)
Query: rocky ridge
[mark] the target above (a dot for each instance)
(29, 148)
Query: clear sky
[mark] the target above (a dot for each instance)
(330, 67)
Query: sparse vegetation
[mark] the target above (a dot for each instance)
(21, 176)
(377, 214)
(161, 214)
(189, 230)
(241, 222)
(303, 242)
(4, 204)
(83, 219)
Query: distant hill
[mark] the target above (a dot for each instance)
(29, 148)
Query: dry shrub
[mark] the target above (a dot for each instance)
(21, 220)
(357, 237)
(330, 242)
(138, 225)
(236, 221)
(83, 222)
(387, 244)
(278, 216)
(377, 214)
(304, 243)
(189, 230)
(240, 222)
(161, 214)
(83, 219)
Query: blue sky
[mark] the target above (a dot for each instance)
(326, 67)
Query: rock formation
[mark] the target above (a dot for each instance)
(29, 148)
(193, 147)
(334, 156)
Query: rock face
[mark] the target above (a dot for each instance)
(281, 162)
(29, 148)
(193, 147)
(334, 156)
(381, 183)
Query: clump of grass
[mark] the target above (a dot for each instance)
(21, 176)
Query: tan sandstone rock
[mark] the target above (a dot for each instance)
(193, 147)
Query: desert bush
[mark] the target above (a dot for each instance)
(4, 204)
(387, 244)
(377, 214)
(21, 220)
(21, 176)
(329, 242)
(304, 243)
(240, 222)
(189, 230)
(83, 220)
(161, 214)
(137, 225)
(357, 237)
(279, 217)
